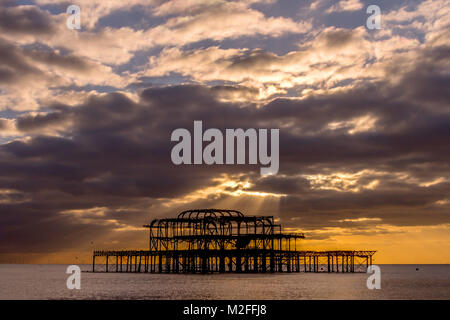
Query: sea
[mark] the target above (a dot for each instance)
(49, 282)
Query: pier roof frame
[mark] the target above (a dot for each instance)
(209, 215)
(202, 213)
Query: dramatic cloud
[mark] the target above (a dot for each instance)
(86, 118)
(24, 19)
(346, 5)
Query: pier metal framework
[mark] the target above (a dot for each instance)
(215, 240)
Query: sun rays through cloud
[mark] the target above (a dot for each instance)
(86, 117)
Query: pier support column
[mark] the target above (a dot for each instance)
(140, 260)
(264, 262)
(280, 263)
(353, 262)
(238, 263)
(168, 262)
(204, 263)
(272, 261)
(304, 262)
(221, 262)
(288, 257)
(328, 256)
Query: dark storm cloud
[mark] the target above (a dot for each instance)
(235, 92)
(284, 185)
(29, 123)
(19, 63)
(24, 20)
(256, 58)
(396, 205)
(53, 58)
(114, 152)
(259, 59)
(337, 38)
(429, 81)
(13, 65)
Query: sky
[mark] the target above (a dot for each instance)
(86, 117)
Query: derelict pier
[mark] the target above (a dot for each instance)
(213, 240)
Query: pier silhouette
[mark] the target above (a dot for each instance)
(223, 241)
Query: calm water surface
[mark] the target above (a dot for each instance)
(397, 282)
